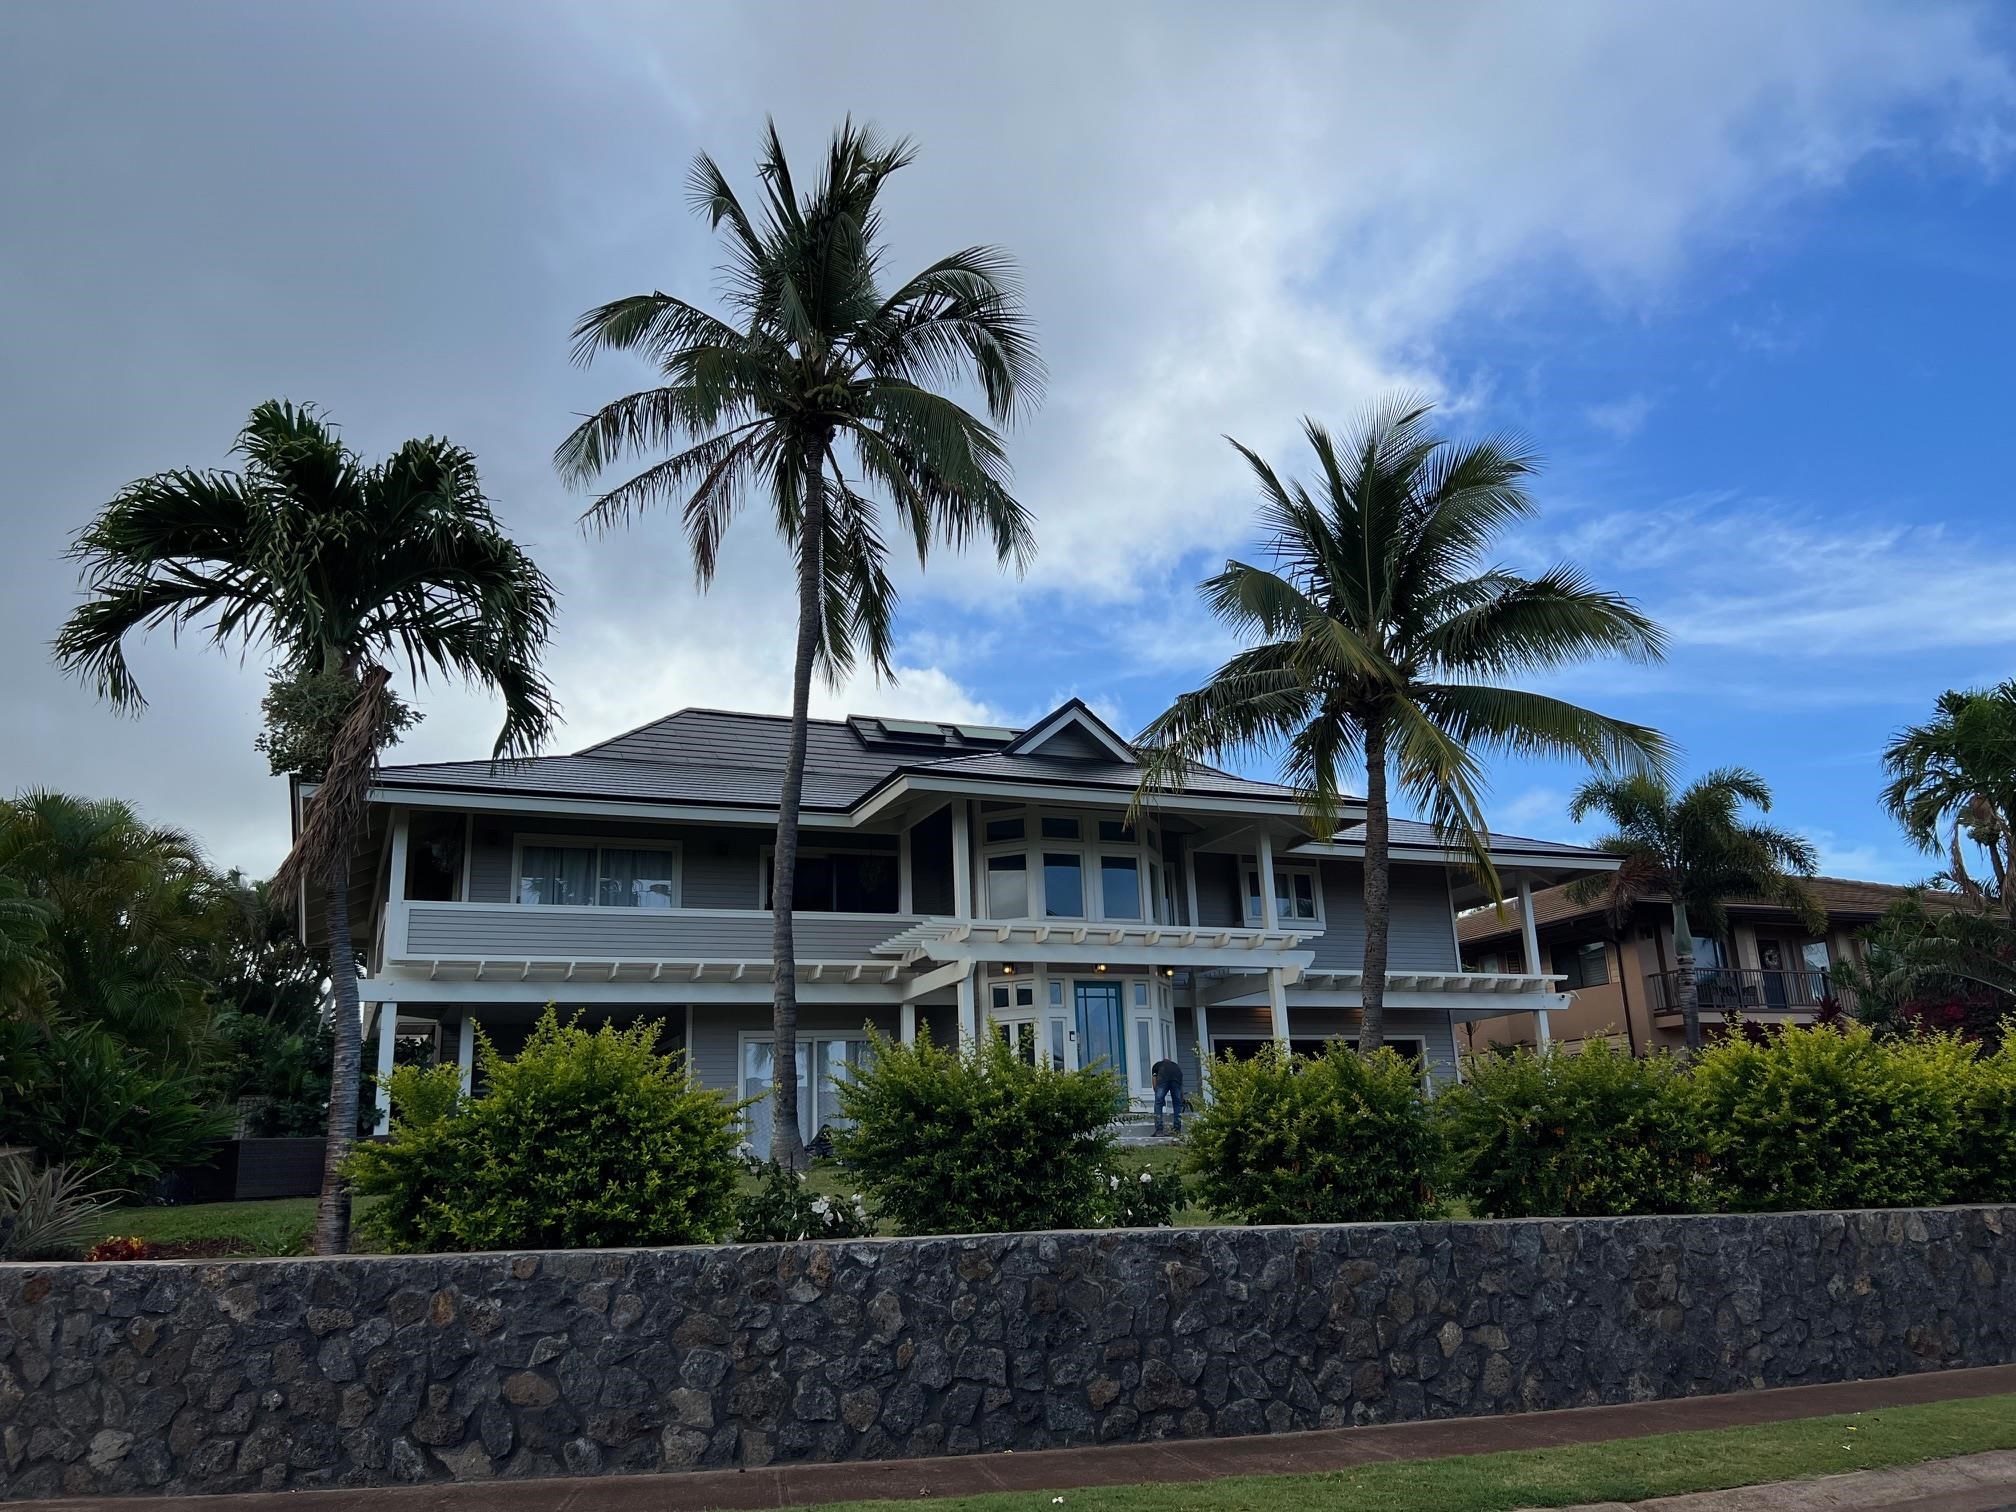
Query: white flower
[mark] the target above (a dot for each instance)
(1146, 1178)
(1113, 1182)
(821, 1206)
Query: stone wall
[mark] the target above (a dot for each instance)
(189, 1376)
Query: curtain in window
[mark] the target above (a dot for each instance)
(636, 878)
(562, 874)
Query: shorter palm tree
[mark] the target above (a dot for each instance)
(1953, 778)
(1695, 849)
(338, 566)
(1378, 636)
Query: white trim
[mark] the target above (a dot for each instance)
(598, 844)
(681, 912)
(1249, 871)
(465, 1051)
(1027, 742)
(1349, 1039)
(482, 800)
(388, 1041)
(1269, 916)
(910, 784)
(751, 990)
(468, 857)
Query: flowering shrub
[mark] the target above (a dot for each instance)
(119, 1249)
(781, 1209)
(1147, 1200)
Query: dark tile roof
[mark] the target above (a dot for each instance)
(1413, 832)
(1841, 897)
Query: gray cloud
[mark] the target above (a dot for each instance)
(1227, 217)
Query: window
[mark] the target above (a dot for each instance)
(999, 831)
(822, 1060)
(1008, 886)
(1295, 895)
(1584, 964)
(1114, 831)
(612, 876)
(1060, 827)
(1120, 886)
(1063, 884)
(841, 882)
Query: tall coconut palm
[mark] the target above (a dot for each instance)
(1377, 637)
(1953, 778)
(337, 566)
(1696, 849)
(820, 386)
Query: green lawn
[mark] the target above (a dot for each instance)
(1625, 1470)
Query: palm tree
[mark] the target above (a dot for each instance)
(337, 565)
(1954, 777)
(1696, 849)
(1377, 637)
(816, 360)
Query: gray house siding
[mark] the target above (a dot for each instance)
(931, 864)
(1072, 744)
(1218, 889)
(1420, 936)
(545, 934)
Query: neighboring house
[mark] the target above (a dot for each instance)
(1769, 969)
(960, 876)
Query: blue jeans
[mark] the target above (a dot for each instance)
(1175, 1096)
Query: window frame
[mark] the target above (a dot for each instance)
(766, 863)
(1091, 853)
(597, 844)
(1249, 874)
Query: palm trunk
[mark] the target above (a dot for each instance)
(1685, 984)
(332, 1213)
(787, 1144)
(1378, 891)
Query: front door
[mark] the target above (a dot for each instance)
(1771, 956)
(1102, 1033)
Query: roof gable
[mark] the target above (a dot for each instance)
(1072, 732)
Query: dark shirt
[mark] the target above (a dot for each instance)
(1167, 1073)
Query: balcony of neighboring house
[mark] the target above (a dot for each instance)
(1760, 993)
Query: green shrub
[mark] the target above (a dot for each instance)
(96, 1106)
(976, 1142)
(782, 1209)
(583, 1140)
(1988, 1126)
(47, 1212)
(1559, 1135)
(1330, 1138)
(1832, 1118)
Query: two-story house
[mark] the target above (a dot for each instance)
(974, 879)
(1769, 967)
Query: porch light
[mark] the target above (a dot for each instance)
(1100, 967)
(1007, 971)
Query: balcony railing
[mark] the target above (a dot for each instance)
(1734, 989)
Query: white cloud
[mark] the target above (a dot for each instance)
(1620, 418)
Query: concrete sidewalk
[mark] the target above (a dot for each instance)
(1109, 1465)
(1971, 1483)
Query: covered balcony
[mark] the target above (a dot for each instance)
(1747, 992)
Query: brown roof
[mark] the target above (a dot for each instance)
(1840, 897)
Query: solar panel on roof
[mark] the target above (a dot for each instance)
(983, 732)
(915, 727)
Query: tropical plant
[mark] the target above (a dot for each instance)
(817, 358)
(1988, 1127)
(1695, 849)
(1378, 635)
(47, 1212)
(1136, 1199)
(583, 1140)
(975, 1140)
(783, 1208)
(128, 913)
(1928, 967)
(337, 566)
(1593, 1134)
(29, 976)
(1335, 1137)
(1953, 779)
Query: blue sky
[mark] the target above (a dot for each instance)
(1741, 273)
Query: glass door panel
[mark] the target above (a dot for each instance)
(1102, 1035)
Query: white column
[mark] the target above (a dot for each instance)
(904, 898)
(394, 938)
(962, 863)
(1266, 858)
(1190, 882)
(969, 1019)
(465, 1053)
(1202, 1020)
(1529, 933)
(1277, 1000)
(907, 1019)
(388, 1034)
